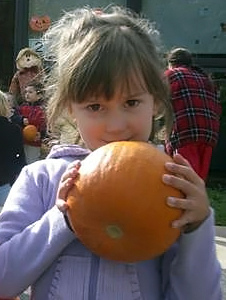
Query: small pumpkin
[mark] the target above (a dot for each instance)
(30, 132)
(118, 207)
(40, 23)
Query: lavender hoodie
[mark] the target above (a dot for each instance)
(38, 249)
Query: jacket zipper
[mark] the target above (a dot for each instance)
(95, 264)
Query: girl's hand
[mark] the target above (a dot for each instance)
(66, 183)
(196, 203)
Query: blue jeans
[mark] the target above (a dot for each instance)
(4, 191)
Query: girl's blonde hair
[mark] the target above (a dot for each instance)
(95, 53)
(5, 108)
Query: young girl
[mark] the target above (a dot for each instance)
(108, 74)
(33, 111)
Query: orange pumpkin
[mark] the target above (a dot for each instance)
(40, 23)
(118, 208)
(30, 132)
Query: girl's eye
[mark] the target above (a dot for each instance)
(132, 103)
(94, 107)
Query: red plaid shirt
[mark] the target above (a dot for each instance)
(36, 116)
(196, 106)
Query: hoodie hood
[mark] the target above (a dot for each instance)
(65, 150)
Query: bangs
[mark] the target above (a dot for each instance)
(115, 60)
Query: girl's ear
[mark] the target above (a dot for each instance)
(69, 107)
(70, 110)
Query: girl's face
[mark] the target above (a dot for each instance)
(127, 116)
(31, 95)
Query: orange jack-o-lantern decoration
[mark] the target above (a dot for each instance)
(29, 133)
(118, 207)
(40, 23)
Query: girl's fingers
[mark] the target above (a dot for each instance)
(184, 204)
(181, 167)
(184, 221)
(62, 205)
(187, 206)
(66, 183)
(64, 188)
(193, 211)
(181, 184)
(195, 205)
(179, 159)
(189, 220)
(76, 164)
(72, 170)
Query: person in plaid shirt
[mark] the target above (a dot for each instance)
(197, 111)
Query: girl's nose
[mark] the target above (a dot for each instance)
(116, 122)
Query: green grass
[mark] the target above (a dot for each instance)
(217, 198)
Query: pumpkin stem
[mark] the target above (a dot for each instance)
(114, 231)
